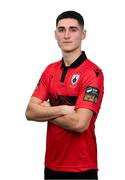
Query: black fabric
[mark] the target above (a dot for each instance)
(50, 174)
(57, 100)
(75, 64)
(64, 74)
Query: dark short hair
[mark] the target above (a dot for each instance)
(71, 14)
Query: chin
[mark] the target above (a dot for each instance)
(68, 50)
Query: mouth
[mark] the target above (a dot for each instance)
(67, 42)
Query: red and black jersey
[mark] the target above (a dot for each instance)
(80, 85)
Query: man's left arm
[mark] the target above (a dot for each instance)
(77, 121)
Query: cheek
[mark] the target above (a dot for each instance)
(77, 39)
(59, 39)
(59, 36)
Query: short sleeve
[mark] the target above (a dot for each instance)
(41, 90)
(91, 91)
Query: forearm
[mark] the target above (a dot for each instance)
(36, 112)
(77, 121)
(69, 122)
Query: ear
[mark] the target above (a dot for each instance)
(55, 34)
(83, 34)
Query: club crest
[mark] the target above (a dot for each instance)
(75, 79)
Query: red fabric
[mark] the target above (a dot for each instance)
(66, 150)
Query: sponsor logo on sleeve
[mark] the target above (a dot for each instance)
(91, 94)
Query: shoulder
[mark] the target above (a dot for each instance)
(91, 65)
(93, 69)
(53, 65)
(50, 70)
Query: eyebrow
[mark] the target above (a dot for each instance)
(71, 27)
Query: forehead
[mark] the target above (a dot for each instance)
(67, 22)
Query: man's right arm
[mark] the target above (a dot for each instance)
(37, 112)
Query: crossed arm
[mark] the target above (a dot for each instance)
(63, 116)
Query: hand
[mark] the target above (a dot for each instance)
(45, 104)
(67, 109)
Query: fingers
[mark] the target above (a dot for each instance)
(45, 103)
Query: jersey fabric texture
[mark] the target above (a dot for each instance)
(79, 85)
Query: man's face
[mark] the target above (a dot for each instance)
(69, 34)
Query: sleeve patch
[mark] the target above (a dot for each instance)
(91, 94)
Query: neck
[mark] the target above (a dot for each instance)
(70, 57)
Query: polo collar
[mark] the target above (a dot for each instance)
(76, 63)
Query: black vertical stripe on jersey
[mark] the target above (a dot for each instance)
(62, 100)
(64, 74)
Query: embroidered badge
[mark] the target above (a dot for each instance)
(91, 94)
(75, 79)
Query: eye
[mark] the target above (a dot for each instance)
(60, 29)
(73, 29)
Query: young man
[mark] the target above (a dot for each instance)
(68, 96)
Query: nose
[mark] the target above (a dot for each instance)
(67, 34)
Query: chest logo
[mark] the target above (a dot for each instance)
(75, 79)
